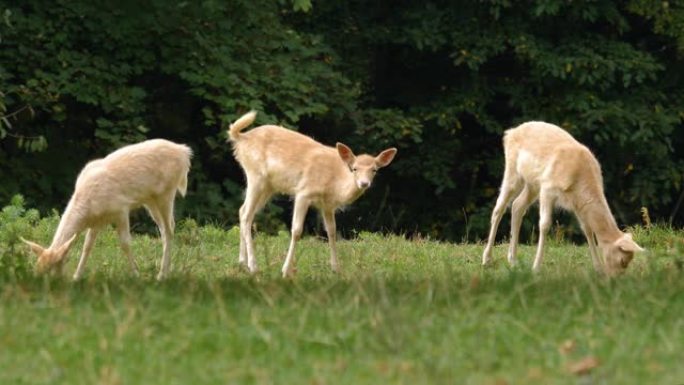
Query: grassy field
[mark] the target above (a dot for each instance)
(401, 312)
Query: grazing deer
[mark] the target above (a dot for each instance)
(144, 174)
(278, 160)
(543, 161)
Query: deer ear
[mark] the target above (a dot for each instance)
(386, 157)
(346, 153)
(626, 244)
(62, 250)
(35, 248)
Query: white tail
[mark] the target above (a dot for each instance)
(278, 160)
(144, 174)
(243, 122)
(545, 162)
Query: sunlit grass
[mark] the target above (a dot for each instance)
(401, 311)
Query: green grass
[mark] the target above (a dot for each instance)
(402, 311)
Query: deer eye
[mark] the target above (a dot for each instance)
(375, 170)
(354, 169)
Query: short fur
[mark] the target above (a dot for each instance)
(278, 160)
(545, 162)
(144, 174)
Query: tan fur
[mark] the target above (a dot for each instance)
(277, 160)
(144, 174)
(545, 162)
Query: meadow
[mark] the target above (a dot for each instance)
(402, 311)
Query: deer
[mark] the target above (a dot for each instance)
(147, 174)
(276, 160)
(544, 162)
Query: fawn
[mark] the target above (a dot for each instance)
(278, 160)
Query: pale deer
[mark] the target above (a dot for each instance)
(544, 162)
(278, 160)
(144, 174)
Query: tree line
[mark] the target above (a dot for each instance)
(440, 80)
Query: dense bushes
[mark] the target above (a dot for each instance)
(441, 80)
(15, 221)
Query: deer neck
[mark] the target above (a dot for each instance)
(597, 217)
(69, 224)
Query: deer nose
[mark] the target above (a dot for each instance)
(364, 184)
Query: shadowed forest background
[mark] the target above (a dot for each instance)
(440, 80)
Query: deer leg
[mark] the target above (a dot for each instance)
(509, 187)
(91, 234)
(546, 202)
(256, 197)
(518, 210)
(124, 232)
(301, 206)
(169, 224)
(331, 230)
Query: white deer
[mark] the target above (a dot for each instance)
(544, 161)
(278, 160)
(144, 174)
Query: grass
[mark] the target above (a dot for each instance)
(402, 312)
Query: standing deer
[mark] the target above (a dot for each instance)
(543, 161)
(144, 174)
(278, 160)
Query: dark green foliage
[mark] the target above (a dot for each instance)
(440, 80)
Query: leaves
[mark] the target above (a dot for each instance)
(439, 80)
(301, 5)
(583, 366)
(15, 222)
